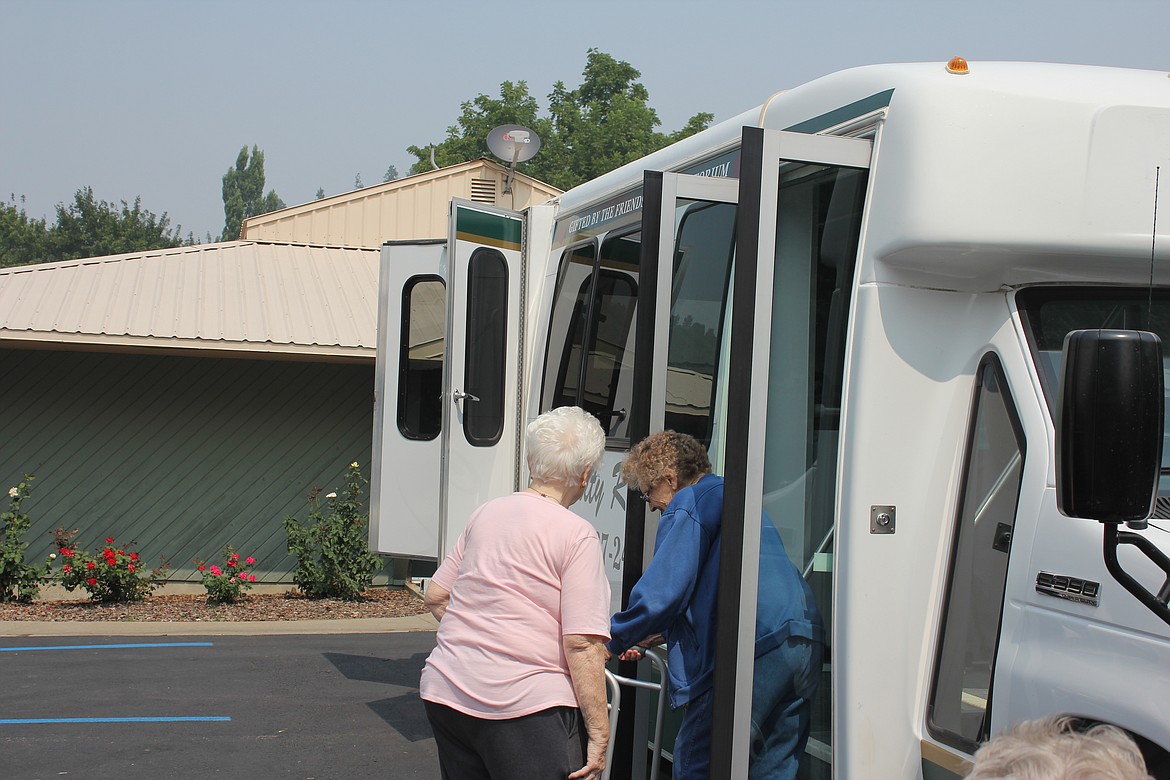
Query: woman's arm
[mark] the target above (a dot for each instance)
(586, 657)
(436, 599)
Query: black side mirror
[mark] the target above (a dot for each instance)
(1109, 439)
(1109, 443)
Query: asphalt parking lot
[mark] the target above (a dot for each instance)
(287, 706)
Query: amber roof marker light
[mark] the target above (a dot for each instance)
(958, 66)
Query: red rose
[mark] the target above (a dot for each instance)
(133, 556)
(90, 565)
(66, 568)
(91, 581)
(109, 540)
(129, 567)
(202, 567)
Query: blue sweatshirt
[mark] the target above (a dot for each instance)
(676, 595)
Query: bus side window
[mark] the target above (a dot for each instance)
(589, 358)
(566, 332)
(958, 713)
(610, 368)
(420, 358)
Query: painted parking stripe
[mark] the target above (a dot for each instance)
(163, 719)
(106, 647)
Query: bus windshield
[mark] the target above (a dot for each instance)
(1050, 313)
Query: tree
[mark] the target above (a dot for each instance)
(91, 228)
(604, 123)
(87, 227)
(390, 175)
(320, 193)
(468, 139)
(22, 240)
(243, 193)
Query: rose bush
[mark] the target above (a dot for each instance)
(228, 583)
(332, 549)
(19, 581)
(113, 574)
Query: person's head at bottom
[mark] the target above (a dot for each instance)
(1053, 748)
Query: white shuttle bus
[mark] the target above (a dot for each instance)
(857, 295)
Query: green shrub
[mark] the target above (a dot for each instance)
(19, 581)
(114, 574)
(332, 548)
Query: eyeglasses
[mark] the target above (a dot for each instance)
(644, 495)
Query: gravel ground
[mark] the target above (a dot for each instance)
(376, 603)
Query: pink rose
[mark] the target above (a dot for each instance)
(250, 560)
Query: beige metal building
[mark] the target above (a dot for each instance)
(410, 208)
(188, 398)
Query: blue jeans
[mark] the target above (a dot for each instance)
(785, 682)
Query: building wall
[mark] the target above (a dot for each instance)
(180, 454)
(405, 209)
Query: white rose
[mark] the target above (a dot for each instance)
(330, 495)
(12, 492)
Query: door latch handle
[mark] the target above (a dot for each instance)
(459, 395)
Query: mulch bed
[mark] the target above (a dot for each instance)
(376, 603)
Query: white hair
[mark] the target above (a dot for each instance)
(1052, 748)
(562, 443)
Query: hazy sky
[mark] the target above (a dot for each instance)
(154, 98)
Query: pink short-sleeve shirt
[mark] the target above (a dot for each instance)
(525, 572)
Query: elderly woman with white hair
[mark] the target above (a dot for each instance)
(515, 686)
(1058, 748)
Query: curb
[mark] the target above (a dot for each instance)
(29, 628)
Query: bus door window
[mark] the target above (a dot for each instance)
(487, 305)
(420, 357)
(703, 252)
(817, 235)
(959, 709)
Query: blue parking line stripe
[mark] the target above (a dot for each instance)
(162, 719)
(106, 647)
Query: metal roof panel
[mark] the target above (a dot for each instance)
(278, 297)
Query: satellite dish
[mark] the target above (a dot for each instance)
(513, 143)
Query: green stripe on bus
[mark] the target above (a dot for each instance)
(483, 228)
(844, 113)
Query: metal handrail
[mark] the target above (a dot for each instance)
(613, 683)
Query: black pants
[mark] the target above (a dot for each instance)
(547, 744)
